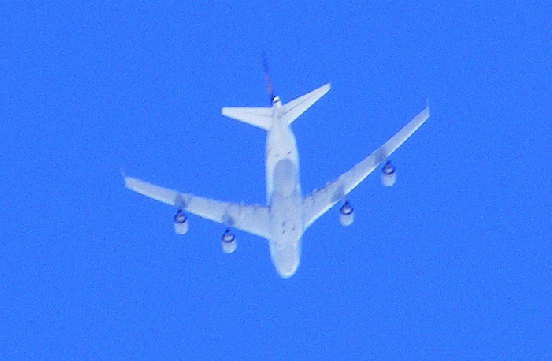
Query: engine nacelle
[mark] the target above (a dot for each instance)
(180, 222)
(229, 242)
(388, 174)
(346, 214)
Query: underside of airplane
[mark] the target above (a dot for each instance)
(287, 213)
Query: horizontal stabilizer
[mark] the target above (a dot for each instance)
(259, 117)
(296, 107)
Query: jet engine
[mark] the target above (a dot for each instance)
(180, 222)
(346, 214)
(388, 175)
(229, 241)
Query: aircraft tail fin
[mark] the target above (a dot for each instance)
(298, 106)
(259, 117)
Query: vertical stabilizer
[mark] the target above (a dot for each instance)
(268, 83)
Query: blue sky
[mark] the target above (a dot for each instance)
(453, 262)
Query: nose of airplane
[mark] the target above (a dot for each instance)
(286, 261)
(285, 257)
(287, 270)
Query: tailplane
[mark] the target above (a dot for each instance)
(296, 107)
(259, 117)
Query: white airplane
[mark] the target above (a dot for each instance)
(287, 213)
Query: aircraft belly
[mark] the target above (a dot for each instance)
(284, 198)
(280, 145)
(286, 229)
(285, 217)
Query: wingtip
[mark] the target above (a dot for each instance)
(325, 88)
(427, 105)
(124, 175)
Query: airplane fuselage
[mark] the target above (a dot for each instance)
(283, 191)
(287, 214)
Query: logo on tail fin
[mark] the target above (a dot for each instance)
(269, 89)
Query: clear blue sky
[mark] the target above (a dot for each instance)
(453, 262)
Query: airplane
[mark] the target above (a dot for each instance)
(287, 213)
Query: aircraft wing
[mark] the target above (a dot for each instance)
(298, 106)
(321, 200)
(249, 218)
